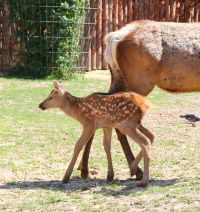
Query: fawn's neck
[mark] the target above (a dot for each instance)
(70, 105)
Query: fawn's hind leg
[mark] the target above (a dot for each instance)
(86, 135)
(150, 136)
(129, 155)
(144, 143)
(107, 148)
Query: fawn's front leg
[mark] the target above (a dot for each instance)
(107, 148)
(86, 135)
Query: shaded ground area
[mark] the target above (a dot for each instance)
(36, 146)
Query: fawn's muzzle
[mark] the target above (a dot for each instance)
(42, 107)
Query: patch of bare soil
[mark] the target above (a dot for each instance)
(98, 74)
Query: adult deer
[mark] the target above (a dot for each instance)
(123, 111)
(144, 54)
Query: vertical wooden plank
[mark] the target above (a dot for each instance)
(98, 35)
(139, 10)
(110, 11)
(124, 12)
(93, 51)
(134, 10)
(196, 12)
(167, 15)
(159, 10)
(181, 12)
(129, 11)
(146, 12)
(156, 10)
(162, 11)
(142, 9)
(87, 41)
(5, 63)
(115, 15)
(120, 14)
(104, 30)
(89, 27)
(195, 18)
(191, 13)
(93, 14)
(186, 14)
(172, 2)
(89, 60)
(150, 8)
(176, 11)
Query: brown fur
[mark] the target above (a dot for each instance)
(159, 53)
(122, 111)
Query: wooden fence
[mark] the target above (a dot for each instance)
(110, 15)
(4, 39)
(113, 14)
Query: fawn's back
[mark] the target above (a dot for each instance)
(110, 109)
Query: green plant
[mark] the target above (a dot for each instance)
(47, 35)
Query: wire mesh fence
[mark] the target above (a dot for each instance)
(45, 37)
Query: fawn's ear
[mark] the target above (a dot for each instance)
(58, 87)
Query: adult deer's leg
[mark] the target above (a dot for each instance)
(86, 135)
(129, 155)
(83, 166)
(107, 148)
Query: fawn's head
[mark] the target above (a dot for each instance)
(54, 99)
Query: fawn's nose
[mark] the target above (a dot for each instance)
(42, 107)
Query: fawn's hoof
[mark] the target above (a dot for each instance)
(132, 172)
(142, 184)
(136, 171)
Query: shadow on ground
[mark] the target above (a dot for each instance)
(121, 187)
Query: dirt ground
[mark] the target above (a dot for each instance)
(98, 74)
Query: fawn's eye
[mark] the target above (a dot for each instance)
(50, 98)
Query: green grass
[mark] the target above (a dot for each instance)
(36, 146)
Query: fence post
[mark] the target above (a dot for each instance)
(89, 29)
(104, 30)
(6, 48)
(99, 36)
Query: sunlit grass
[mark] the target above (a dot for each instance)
(36, 146)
